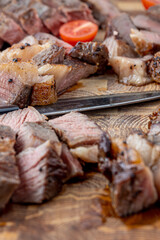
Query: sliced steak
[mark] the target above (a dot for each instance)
(44, 92)
(10, 31)
(154, 12)
(16, 80)
(131, 182)
(146, 23)
(117, 47)
(132, 71)
(91, 52)
(53, 54)
(121, 26)
(79, 70)
(33, 134)
(76, 129)
(9, 179)
(154, 68)
(41, 173)
(45, 37)
(103, 10)
(15, 119)
(81, 134)
(145, 42)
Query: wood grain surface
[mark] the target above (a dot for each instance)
(83, 209)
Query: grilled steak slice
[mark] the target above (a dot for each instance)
(53, 54)
(145, 42)
(117, 47)
(74, 168)
(79, 71)
(76, 129)
(16, 118)
(150, 154)
(154, 12)
(42, 37)
(71, 9)
(16, 80)
(154, 68)
(33, 134)
(41, 174)
(103, 10)
(91, 52)
(146, 23)
(131, 182)
(44, 92)
(132, 71)
(121, 27)
(48, 37)
(8, 170)
(10, 31)
(86, 153)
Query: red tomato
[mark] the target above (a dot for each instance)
(150, 3)
(78, 30)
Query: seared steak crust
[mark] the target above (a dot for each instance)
(154, 68)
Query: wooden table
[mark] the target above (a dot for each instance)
(83, 210)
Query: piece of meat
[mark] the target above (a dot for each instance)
(53, 54)
(150, 152)
(121, 26)
(59, 71)
(45, 37)
(86, 153)
(103, 11)
(154, 68)
(41, 173)
(16, 80)
(76, 129)
(154, 127)
(154, 12)
(15, 119)
(74, 168)
(132, 71)
(131, 182)
(71, 9)
(30, 22)
(79, 70)
(145, 42)
(33, 134)
(9, 179)
(44, 92)
(10, 31)
(146, 23)
(117, 47)
(22, 52)
(92, 53)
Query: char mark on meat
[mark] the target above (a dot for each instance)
(154, 68)
(91, 52)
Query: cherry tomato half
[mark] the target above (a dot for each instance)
(78, 30)
(149, 3)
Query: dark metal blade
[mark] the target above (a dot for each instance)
(7, 108)
(97, 102)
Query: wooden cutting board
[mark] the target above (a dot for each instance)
(83, 209)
